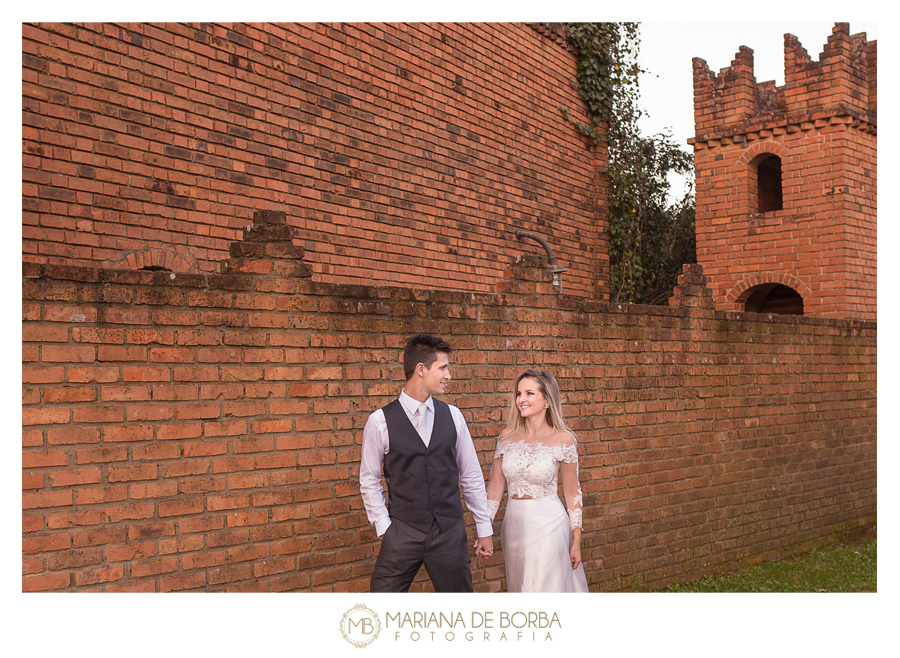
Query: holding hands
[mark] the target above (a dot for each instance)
(484, 546)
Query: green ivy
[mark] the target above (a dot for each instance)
(649, 240)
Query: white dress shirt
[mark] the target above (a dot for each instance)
(376, 445)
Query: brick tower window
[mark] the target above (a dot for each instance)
(768, 183)
(774, 298)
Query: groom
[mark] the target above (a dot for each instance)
(427, 453)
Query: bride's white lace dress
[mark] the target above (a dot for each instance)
(536, 535)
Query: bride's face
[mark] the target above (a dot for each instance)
(529, 398)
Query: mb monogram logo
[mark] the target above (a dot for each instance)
(360, 626)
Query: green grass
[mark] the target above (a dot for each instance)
(839, 568)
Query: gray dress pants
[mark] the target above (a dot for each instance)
(404, 549)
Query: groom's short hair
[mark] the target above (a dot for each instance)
(424, 349)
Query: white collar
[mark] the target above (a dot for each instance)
(412, 405)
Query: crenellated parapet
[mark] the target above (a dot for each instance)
(786, 181)
(840, 84)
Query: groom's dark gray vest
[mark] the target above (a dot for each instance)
(423, 483)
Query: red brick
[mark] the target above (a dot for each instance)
(180, 583)
(120, 353)
(96, 576)
(231, 428)
(67, 354)
(148, 336)
(129, 552)
(32, 481)
(74, 477)
(229, 574)
(145, 586)
(131, 473)
(191, 412)
(127, 433)
(45, 334)
(195, 374)
(73, 435)
(180, 507)
(227, 538)
(270, 567)
(74, 559)
(155, 451)
(142, 569)
(70, 314)
(69, 519)
(124, 316)
(178, 432)
(128, 512)
(87, 374)
(125, 393)
(148, 530)
(56, 542)
(32, 438)
(203, 560)
(32, 565)
(80, 394)
(45, 582)
(248, 481)
(44, 458)
(43, 375)
(101, 495)
(142, 490)
(247, 553)
(146, 374)
(104, 454)
(171, 355)
(42, 499)
(97, 415)
(45, 416)
(201, 524)
(148, 412)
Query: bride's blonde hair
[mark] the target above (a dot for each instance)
(550, 390)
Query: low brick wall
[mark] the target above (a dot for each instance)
(202, 432)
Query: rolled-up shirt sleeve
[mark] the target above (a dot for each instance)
(374, 447)
(471, 479)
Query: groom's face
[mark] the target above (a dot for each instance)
(437, 376)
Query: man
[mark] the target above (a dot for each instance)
(427, 454)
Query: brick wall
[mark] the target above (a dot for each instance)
(203, 431)
(822, 124)
(405, 154)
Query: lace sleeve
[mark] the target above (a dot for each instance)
(496, 483)
(568, 470)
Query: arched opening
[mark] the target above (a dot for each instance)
(768, 183)
(774, 298)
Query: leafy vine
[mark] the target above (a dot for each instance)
(649, 239)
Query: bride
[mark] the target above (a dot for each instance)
(541, 543)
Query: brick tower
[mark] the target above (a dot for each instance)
(786, 181)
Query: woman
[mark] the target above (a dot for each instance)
(541, 544)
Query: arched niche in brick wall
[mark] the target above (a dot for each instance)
(154, 258)
(769, 292)
(773, 298)
(763, 167)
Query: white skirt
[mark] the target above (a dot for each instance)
(536, 541)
